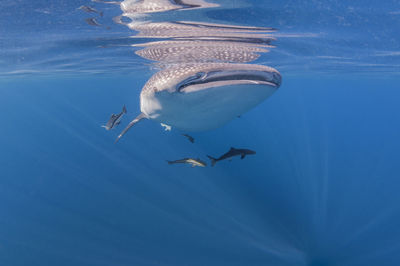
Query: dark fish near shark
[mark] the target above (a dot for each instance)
(89, 9)
(193, 162)
(107, 2)
(231, 153)
(190, 138)
(115, 119)
(92, 22)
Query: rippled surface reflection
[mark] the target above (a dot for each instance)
(190, 41)
(322, 188)
(201, 85)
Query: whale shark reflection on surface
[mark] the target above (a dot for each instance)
(205, 78)
(201, 51)
(155, 6)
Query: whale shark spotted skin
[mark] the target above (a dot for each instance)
(204, 96)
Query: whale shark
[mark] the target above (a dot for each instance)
(204, 96)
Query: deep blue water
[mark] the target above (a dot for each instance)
(323, 188)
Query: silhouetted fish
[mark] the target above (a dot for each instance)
(190, 138)
(89, 9)
(115, 119)
(107, 2)
(231, 153)
(92, 22)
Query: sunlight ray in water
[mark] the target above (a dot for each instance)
(308, 177)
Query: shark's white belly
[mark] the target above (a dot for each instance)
(199, 107)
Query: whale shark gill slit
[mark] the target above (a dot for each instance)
(196, 79)
(204, 78)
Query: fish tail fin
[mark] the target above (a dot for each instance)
(134, 121)
(169, 162)
(213, 160)
(124, 109)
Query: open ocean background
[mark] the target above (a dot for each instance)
(322, 190)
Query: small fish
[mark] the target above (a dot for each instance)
(231, 153)
(115, 119)
(92, 22)
(190, 138)
(166, 127)
(89, 9)
(193, 162)
(107, 2)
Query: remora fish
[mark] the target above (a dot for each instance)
(115, 119)
(199, 97)
(190, 138)
(193, 162)
(231, 153)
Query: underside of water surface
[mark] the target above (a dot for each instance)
(311, 87)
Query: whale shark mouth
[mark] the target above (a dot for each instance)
(208, 78)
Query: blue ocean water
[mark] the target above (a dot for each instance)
(321, 190)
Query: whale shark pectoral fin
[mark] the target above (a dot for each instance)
(242, 156)
(134, 121)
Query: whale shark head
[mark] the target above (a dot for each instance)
(203, 96)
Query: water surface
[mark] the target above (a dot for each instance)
(321, 190)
